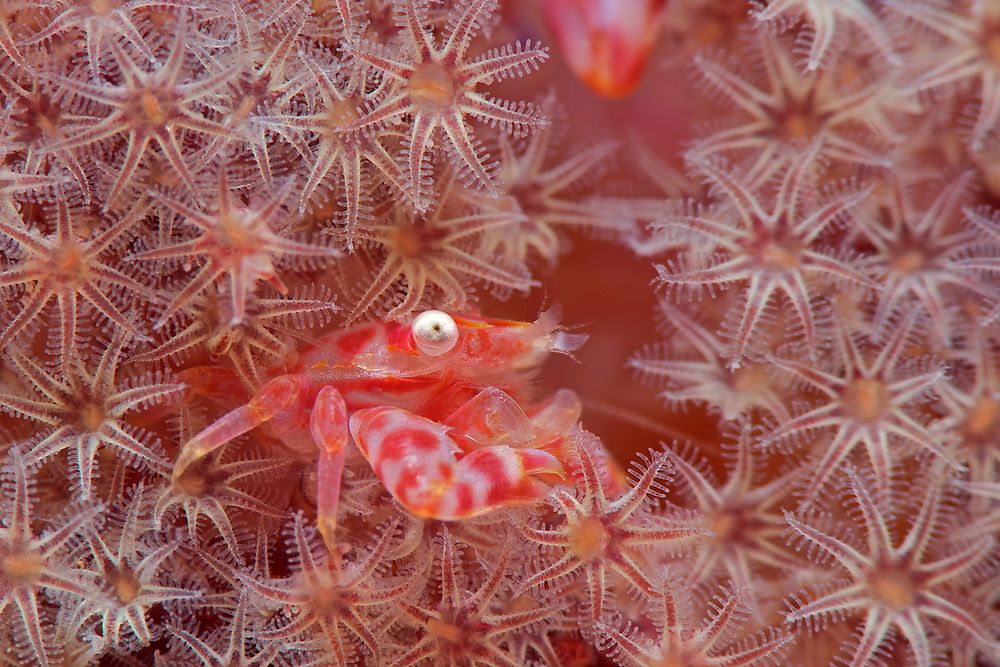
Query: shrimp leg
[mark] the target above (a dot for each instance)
(283, 400)
(281, 397)
(328, 426)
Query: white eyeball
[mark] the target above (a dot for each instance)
(435, 332)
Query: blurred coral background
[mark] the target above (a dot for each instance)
(775, 222)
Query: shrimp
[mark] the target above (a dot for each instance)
(434, 405)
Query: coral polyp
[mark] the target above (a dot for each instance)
(553, 333)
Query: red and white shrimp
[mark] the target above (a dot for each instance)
(434, 405)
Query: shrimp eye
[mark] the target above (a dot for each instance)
(435, 332)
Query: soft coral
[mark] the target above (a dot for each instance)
(436, 87)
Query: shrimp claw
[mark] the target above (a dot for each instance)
(425, 470)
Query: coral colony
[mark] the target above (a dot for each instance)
(260, 405)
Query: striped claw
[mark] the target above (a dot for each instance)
(427, 472)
